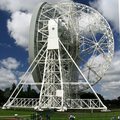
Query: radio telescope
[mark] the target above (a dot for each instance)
(71, 47)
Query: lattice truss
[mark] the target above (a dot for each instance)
(77, 59)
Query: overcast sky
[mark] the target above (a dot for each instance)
(15, 16)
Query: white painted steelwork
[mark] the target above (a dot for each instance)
(71, 47)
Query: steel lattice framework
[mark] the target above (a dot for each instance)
(71, 47)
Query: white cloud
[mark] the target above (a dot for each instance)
(10, 63)
(7, 78)
(19, 24)
(7, 72)
(18, 27)
(17, 5)
(110, 9)
(24, 5)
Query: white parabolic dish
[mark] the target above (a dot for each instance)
(84, 32)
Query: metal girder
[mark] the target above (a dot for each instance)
(68, 103)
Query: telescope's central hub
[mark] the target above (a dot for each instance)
(53, 34)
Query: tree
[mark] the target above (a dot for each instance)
(2, 98)
(13, 87)
(7, 93)
(118, 98)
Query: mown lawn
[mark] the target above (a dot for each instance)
(14, 111)
(79, 115)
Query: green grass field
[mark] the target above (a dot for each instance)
(80, 115)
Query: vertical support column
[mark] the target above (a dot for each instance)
(43, 80)
(51, 94)
(61, 78)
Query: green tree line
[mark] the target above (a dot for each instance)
(32, 93)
